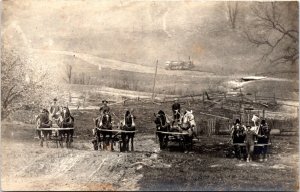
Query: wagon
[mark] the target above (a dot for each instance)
(183, 138)
(257, 147)
(53, 135)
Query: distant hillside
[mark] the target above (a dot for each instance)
(138, 32)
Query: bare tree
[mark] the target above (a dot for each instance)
(68, 78)
(273, 31)
(68, 71)
(232, 10)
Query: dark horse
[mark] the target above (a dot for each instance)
(127, 125)
(162, 124)
(103, 122)
(65, 120)
(263, 138)
(238, 137)
(42, 121)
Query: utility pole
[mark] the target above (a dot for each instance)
(154, 80)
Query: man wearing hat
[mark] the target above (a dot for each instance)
(104, 109)
(54, 109)
(249, 141)
(176, 111)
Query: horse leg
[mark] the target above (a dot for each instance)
(61, 139)
(160, 139)
(111, 142)
(104, 141)
(132, 148)
(41, 141)
(191, 143)
(71, 138)
(56, 136)
(67, 140)
(265, 150)
(123, 145)
(41, 138)
(99, 140)
(127, 142)
(48, 138)
(96, 141)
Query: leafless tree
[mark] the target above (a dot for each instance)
(273, 30)
(232, 10)
(68, 78)
(68, 71)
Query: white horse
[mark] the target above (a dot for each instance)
(255, 120)
(188, 124)
(188, 121)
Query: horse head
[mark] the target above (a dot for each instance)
(129, 119)
(65, 119)
(188, 119)
(161, 121)
(105, 120)
(43, 118)
(65, 113)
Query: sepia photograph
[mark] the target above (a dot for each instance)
(138, 95)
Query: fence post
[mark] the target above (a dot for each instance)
(255, 96)
(203, 98)
(263, 114)
(274, 99)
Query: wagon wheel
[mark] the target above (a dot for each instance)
(181, 142)
(95, 141)
(165, 142)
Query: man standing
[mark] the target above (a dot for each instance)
(176, 111)
(249, 140)
(54, 109)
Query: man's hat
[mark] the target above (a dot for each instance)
(176, 99)
(54, 99)
(104, 101)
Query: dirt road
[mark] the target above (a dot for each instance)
(26, 166)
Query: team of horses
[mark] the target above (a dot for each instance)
(261, 133)
(182, 130)
(104, 128)
(184, 126)
(64, 120)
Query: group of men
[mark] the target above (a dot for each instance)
(47, 116)
(52, 113)
(250, 135)
(239, 133)
(105, 109)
